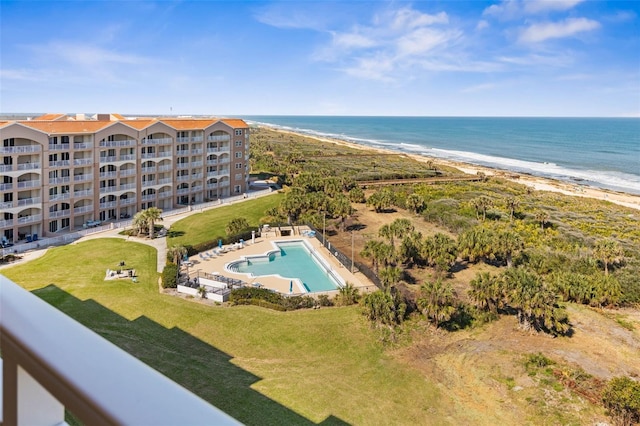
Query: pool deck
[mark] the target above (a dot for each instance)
(262, 245)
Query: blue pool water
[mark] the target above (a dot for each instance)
(292, 261)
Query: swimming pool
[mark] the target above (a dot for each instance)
(292, 260)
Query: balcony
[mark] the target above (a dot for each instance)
(57, 197)
(19, 149)
(60, 163)
(127, 201)
(148, 197)
(108, 159)
(164, 154)
(83, 193)
(197, 176)
(165, 168)
(127, 157)
(196, 151)
(83, 177)
(6, 167)
(29, 183)
(160, 141)
(29, 166)
(29, 201)
(59, 213)
(126, 186)
(108, 204)
(212, 185)
(219, 138)
(182, 166)
(83, 161)
(6, 223)
(196, 164)
(125, 142)
(148, 169)
(108, 189)
(83, 145)
(59, 147)
(108, 174)
(83, 209)
(182, 191)
(49, 363)
(6, 186)
(182, 139)
(165, 194)
(213, 150)
(128, 172)
(184, 178)
(29, 219)
(149, 183)
(64, 179)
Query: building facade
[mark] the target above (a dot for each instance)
(59, 173)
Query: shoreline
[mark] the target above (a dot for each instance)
(535, 182)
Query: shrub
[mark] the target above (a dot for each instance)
(323, 300)
(622, 398)
(170, 276)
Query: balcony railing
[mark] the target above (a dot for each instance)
(60, 213)
(108, 174)
(182, 191)
(82, 145)
(165, 194)
(213, 149)
(83, 177)
(148, 197)
(108, 204)
(164, 181)
(29, 219)
(29, 183)
(148, 169)
(125, 186)
(125, 142)
(219, 138)
(64, 179)
(108, 159)
(128, 172)
(6, 167)
(83, 209)
(56, 197)
(49, 363)
(60, 163)
(127, 157)
(59, 147)
(83, 193)
(182, 166)
(82, 161)
(6, 186)
(29, 201)
(148, 183)
(160, 141)
(196, 151)
(196, 164)
(165, 168)
(29, 166)
(183, 178)
(19, 149)
(127, 201)
(107, 189)
(6, 224)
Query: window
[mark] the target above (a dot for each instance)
(64, 139)
(65, 222)
(238, 176)
(238, 143)
(53, 226)
(238, 165)
(238, 154)
(236, 189)
(238, 132)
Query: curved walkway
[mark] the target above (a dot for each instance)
(160, 244)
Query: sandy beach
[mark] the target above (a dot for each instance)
(538, 183)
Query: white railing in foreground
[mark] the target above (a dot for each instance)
(51, 362)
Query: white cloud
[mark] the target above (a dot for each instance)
(541, 6)
(513, 9)
(482, 24)
(423, 40)
(407, 18)
(479, 88)
(353, 40)
(539, 32)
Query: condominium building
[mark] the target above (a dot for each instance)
(59, 173)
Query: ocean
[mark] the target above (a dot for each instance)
(599, 152)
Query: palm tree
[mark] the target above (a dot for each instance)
(384, 307)
(390, 276)
(415, 203)
(512, 204)
(542, 217)
(609, 252)
(152, 214)
(341, 207)
(139, 222)
(509, 243)
(176, 254)
(482, 204)
(237, 225)
(347, 295)
(409, 250)
(486, 291)
(436, 301)
(439, 251)
(371, 251)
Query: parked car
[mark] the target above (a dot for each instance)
(92, 224)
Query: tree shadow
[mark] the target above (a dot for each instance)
(356, 227)
(174, 234)
(190, 362)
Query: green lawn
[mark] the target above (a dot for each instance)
(258, 365)
(211, 224)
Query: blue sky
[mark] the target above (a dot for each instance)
(436, 58)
